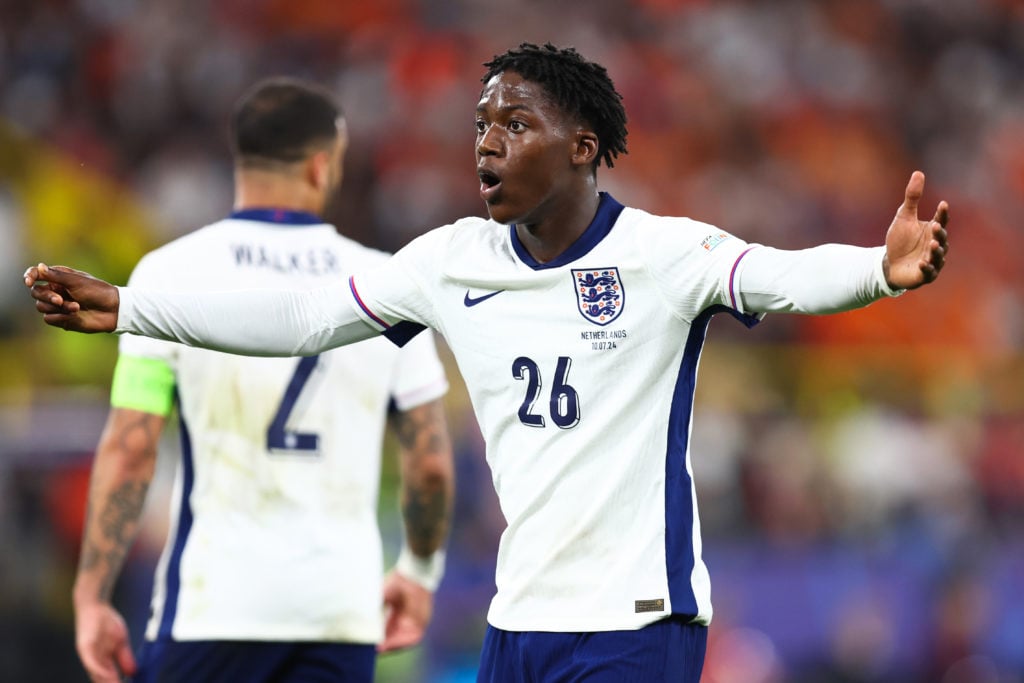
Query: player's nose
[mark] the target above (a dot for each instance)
(488, 141)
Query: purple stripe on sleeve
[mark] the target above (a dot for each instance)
(367, 311)
(732, 278)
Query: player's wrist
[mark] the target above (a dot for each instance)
(424, 571)
(86, 594)
(882, 275)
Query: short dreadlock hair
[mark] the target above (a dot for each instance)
(581, 88)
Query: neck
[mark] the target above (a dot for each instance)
(546, 238)
(259, 189)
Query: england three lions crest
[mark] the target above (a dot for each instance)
(600, 295)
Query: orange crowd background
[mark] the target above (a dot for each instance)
(861, 476)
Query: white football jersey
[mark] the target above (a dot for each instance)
(581, 372)
(274, 527)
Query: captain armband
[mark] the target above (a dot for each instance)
(144, 384)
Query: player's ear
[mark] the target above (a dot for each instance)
(318, 170)
(586, 147)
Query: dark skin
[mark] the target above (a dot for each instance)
(545, 162)
(537, 168)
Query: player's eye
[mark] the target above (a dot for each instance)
(480, 127)
(516, 126)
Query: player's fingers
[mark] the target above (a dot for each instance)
(942, 214)
(105, 676)
(938, 255)
(68, 270)
(51, 292)
(400, 640)
(928, 271)
(100, 669)
(52, 273)
(915, 188)
(30, 275)
(47, 308)
(57, 305)
(62, 320)
(389, 644)
(43, 292)
(62, 275)
(45, 305)
(400, 631)
(126, 660)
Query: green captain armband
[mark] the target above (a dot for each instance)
(144, 384)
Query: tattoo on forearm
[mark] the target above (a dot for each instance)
(421, 430)
(426, 519)
(112, 517)
(426, 477)
(115, 525)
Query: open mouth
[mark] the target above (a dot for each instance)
(489, 183)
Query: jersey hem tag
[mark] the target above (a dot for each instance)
(649, 605)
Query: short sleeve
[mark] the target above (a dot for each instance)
(419, 375)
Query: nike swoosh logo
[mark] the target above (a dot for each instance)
(470, 301)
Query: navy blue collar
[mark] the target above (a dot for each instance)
(608, 211)
(281, 216)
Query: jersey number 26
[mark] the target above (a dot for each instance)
(564, 403)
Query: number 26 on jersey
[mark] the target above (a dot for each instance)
(563, 401)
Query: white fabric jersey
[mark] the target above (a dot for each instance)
(581, 372)
(274, 526)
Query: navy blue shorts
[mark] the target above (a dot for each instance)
(221, 661)
(667, 650)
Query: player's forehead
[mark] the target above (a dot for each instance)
(510, 91)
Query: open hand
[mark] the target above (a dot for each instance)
(915, 250)
(73, 300)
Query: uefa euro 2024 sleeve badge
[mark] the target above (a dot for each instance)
(599, 294)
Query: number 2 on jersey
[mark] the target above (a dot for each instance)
(278, 437)
(564, 404)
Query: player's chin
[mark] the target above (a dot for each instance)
(501, 212)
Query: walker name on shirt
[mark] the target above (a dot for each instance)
(310, 261)
(603, 340)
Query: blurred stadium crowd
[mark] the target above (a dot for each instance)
(861, 476)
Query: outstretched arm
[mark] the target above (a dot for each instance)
(428, 483)
(837, 277)
(253, 322)
(121, 474)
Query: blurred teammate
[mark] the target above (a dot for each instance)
(577, 324)
(272, 570)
